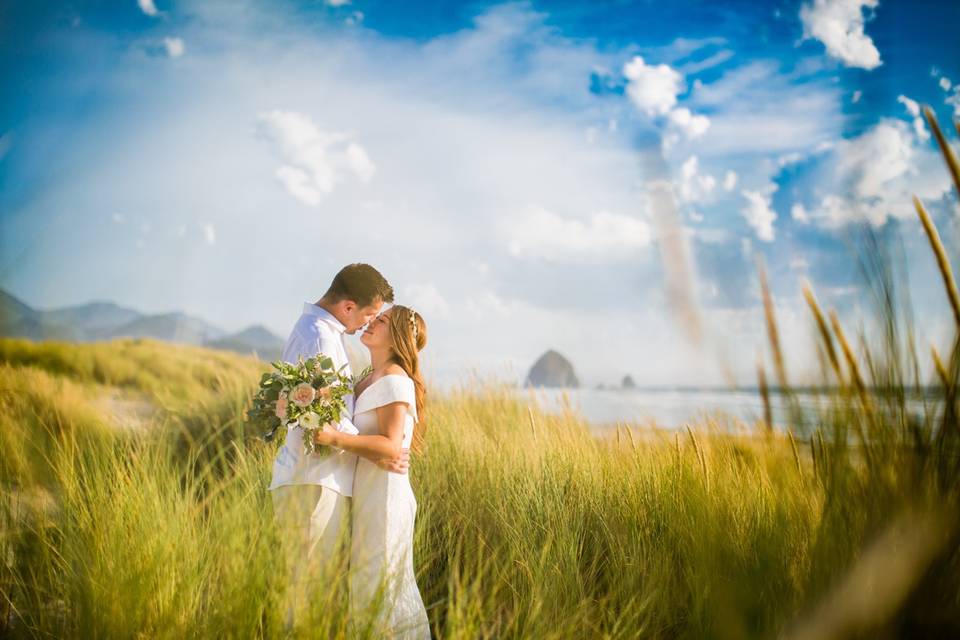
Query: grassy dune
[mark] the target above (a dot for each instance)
(134, 505)
(529, 526)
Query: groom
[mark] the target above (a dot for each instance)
(311, 494)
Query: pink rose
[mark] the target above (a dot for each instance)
(282, 403)
(325, 393)
(303, 394)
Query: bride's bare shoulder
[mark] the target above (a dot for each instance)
(394, 370)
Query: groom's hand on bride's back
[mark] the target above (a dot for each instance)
(400, 464)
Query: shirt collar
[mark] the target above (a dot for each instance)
(311, 309)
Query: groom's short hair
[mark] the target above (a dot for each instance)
(361, 283)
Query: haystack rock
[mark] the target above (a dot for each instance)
(552, 370)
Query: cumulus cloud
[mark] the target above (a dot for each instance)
(913, 109)
(945, 83)
(693, 185)
(839, 25)
(174, 47)
(799, 213)
(758, 212)
(954, 101)
(877, 173)
(653, 89)
(730, 181)
(148, 7)
(540, 233)
(692, 125)
(855, 98)
(314, 161)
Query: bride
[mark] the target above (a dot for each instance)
(388, 404)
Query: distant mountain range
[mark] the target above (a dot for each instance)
(98, 321)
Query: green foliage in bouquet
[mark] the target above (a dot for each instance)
(307, 394)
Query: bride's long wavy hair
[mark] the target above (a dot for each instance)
(408, 333)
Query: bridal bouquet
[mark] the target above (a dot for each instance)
(308, 395)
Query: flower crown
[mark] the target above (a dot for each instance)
(413, 325)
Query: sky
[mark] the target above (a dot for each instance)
(600, 178)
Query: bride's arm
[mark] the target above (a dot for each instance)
(387, 444)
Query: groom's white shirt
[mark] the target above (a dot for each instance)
(317, 331)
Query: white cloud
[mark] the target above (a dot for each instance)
(877, 173)
(839, 25)
(716, 59)
(954, 101)
(652, 89)
(799, 213)
(354, 19)
(148, 7)
(758, 212)
(540, 233)
(174, 47)
(119, 218)
(760, 109)
(487, 303)
(694, 186)
(789, 158)
(359, 162)
(315, 161)
(425, 298)
(945, 83)
(912, 107)
(730, 181)
(209, 234)
(337, 3)
(874, 158)
(855, 98)
(691, 125)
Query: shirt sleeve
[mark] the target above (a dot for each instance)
(324, 344)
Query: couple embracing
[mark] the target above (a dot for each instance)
(360, 492)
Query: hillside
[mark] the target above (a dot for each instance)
(103, 321)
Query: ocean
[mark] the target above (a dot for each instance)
(671, 408)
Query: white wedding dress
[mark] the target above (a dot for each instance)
(383, 513)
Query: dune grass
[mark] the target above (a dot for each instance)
(529, 526)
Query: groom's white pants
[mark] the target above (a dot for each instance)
(312, 520)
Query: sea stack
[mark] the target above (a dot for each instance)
(552, 370)
(628, 383)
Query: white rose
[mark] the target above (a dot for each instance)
(309, 420)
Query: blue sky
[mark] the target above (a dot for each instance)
(528, 175)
